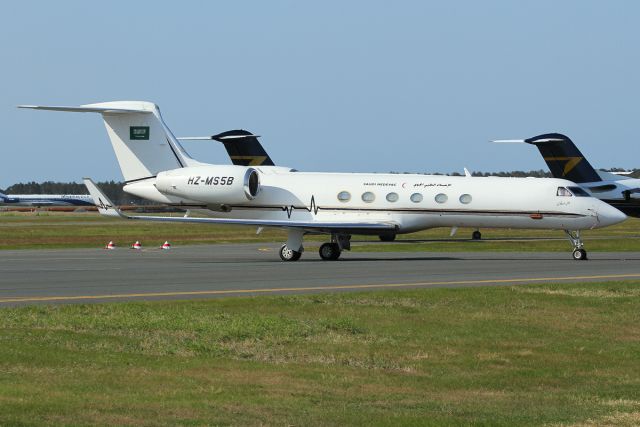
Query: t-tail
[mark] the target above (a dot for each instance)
(142, 142)
(563, 158)
(243, 147)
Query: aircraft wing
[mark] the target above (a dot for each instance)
(107, 208)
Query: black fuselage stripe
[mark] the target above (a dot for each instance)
(138, 179)
(398, 210)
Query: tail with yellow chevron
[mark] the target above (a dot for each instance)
(563, 158)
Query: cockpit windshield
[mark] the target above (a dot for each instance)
(571, 191)
(578, 192)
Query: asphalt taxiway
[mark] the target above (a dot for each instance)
(96, 275)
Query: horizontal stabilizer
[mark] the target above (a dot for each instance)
(87, 109)
(508, 141)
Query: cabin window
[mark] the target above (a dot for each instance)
(392, 197)
(563, 192)
(368, 197)
(465, 199)
(441, 198)
(416, 197)
(578, 192)
(344, 196)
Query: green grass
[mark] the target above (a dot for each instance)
(84, 230)
(528, 355)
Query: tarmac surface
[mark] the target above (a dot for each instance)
(98, 275)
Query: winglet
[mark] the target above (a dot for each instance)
(105, 206)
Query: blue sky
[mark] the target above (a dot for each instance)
(339, 86)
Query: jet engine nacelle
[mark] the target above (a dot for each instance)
(216, 185)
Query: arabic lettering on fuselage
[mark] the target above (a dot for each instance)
(430, 184)
(416, 185)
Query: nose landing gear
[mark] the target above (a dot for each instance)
(287, 254)
(579, 253)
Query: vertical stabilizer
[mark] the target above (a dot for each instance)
(563, 158)
(243, 148)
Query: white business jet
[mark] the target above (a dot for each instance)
(156, 167)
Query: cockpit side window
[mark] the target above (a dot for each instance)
(578, 192)
(563, 192)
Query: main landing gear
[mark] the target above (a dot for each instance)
(330, 251)
(579, 253)
(476, 235)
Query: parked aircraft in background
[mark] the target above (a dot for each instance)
(156, 167)
(565, 161)
(41, 200)
(243, 147)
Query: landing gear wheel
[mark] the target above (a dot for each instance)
(476, 235)
(387, 237)
(579, 254)
(287, 254)
(330, 251)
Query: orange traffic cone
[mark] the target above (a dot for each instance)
(166, 245)
(110, 245)
(136, 245)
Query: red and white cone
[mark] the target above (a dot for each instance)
(136, 245)
(110, 245)
(166, 245)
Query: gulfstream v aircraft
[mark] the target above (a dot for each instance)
(156, 167)
(565, 161)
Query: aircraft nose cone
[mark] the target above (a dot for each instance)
(608, 215)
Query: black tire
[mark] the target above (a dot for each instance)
(387, 237)
(287, 254)
(476, 235)
(579, 255)
(329, 251)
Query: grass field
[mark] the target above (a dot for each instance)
(557, 355)
(57, 230)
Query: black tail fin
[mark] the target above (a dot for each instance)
(563, 158)
(243, 148)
